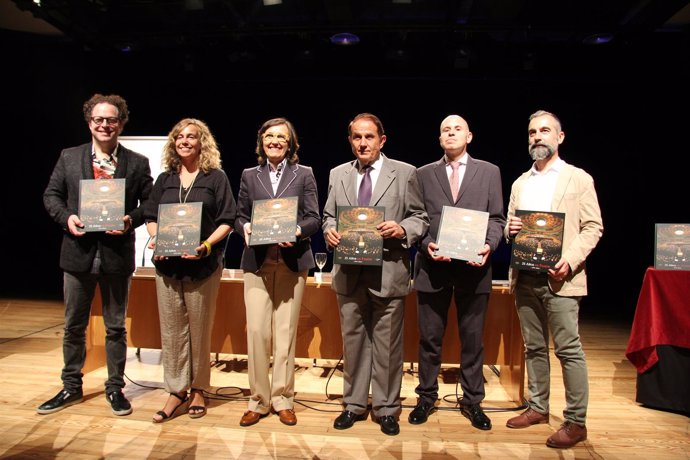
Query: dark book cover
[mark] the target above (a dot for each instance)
(538, 245)
(179, 229)
(360, 242)
(102, 204)
(462, 233)
(274, 221)
(672, 247)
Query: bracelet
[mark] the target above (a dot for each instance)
(208, 248)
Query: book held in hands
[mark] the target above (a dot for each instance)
(360, 241)
(179, 229)
(102, 204)
(274, 221)
(672, 247)
(538, 245)
(462, 233)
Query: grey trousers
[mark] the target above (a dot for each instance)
(541, 310)
(372, 331)
(79, 290)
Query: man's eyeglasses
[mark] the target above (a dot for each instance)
(280, 138)
(110, 121)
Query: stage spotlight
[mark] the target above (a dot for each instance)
(194, 5)
(345, 39)
(598, 39)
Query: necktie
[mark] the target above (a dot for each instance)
(454, 180)
(364, 196)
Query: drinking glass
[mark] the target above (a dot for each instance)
(320, 258)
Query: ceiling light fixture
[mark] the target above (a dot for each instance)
(193, 5)
(345, 39)
(598, 39)
(272, 2)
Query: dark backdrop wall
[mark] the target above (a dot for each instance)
(624, 121)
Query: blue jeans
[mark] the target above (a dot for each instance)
(79, 290)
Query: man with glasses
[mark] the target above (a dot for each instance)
(88, 259)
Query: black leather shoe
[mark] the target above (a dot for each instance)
(61, 400)
(421, 412)
(389, 425)
(346, 419)
(119, 403)
(477, 417)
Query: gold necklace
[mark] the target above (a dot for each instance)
(189, 189)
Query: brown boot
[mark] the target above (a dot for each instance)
(528, 418)
(567, 435)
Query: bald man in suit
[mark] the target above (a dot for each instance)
(458, 180)
(371, 299)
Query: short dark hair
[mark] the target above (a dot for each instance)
(369, 116)
(293, 142)
(112, 99)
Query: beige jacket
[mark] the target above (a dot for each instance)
(576, 197)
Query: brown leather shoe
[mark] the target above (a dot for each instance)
(250, 418)
(287, 416)
(528, 418)
(567, 435)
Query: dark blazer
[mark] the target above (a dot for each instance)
(297, 180)
(480, 190)
(61, 199)
(397, 189)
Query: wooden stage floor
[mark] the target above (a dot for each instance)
(31, 360)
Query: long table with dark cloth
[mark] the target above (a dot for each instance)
(318, 332)
(659, 344)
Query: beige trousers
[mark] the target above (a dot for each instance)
(186, 310)
(273, 298)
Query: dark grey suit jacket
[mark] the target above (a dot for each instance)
(398, 191)
(297, 180)
(61, 200)
(480, 190)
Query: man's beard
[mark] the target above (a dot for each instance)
(541, 151)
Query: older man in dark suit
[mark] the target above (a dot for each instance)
(461, 181)
(372, 298)
(88, 259)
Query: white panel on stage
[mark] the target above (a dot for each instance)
(152, 147)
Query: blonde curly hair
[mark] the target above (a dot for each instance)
(209, 158)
